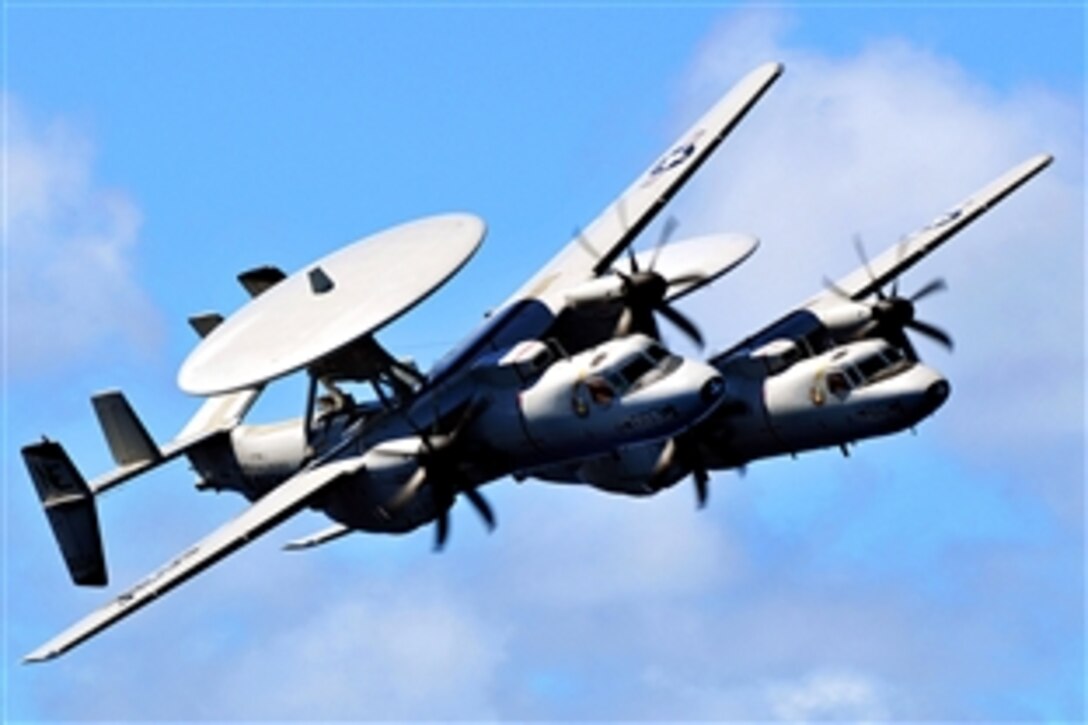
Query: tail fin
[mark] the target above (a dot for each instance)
(70, 508)
(69, 501)
(128, 440)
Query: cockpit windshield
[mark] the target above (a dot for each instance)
(849, 374)
(636, 370)
(656, 353)
(870, 366)
(880, 365)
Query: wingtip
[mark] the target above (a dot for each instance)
(1032, 166)
(772, 68)
(39, 656)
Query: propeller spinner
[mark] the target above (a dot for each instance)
(645, 292)
(655, 278)
(893, 314)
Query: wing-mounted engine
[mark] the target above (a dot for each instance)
(416, 478)
(626, 298)
(516, 366)
(857, 307)
(887, 316)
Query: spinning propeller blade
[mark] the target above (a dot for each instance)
(936, 285)
(667, 230)
(894, 314)
(683, 322)
(701, 478)
(932, 332)
(686, 454)
(645, 290)
(438, 469)
(482, 506)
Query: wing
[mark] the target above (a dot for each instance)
(863, 281)
(267, 512)
(597, 247)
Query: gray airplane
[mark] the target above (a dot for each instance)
(567, 381)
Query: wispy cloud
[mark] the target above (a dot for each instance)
(827, 696)
(71, 243)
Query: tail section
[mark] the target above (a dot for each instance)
(69, 501)
(69, 504)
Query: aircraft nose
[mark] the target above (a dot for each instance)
(937, 393)
(712, 389)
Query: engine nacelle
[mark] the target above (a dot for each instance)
(604, 289)
(768, 359)
(843, 317)
(391, 463)
(515, 366)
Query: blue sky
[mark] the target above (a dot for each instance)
(153, 152)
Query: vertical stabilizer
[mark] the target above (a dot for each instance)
(128, 440)
(69, 505)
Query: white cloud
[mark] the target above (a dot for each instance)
(878, 144)
(69, 242)
(275, 636)
(402, 652)
(827, 696)
(840, 695)
(596, 551)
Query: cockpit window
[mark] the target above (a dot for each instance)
(656, 353)
(854, 377)
(886, 363)
(600, 390)
(837, 384)
(636, 368)
(870, 366)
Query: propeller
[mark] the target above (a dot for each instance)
(645, 290)
(684, 453)
(438, 468)
(893, 314)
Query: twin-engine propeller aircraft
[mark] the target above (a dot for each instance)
(568, 381)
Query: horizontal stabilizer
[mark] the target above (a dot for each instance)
(128, 440)
(69, 506)
(205, 322)
(259, 279)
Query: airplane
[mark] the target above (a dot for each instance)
(568, 381)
